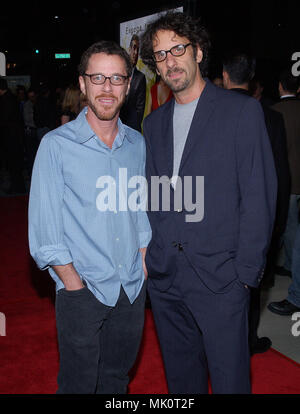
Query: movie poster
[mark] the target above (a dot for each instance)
(137, 27)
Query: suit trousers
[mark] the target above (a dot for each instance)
(291, 230)
(294, 288)
(202, 334)
(98, 344)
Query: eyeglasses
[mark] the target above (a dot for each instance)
(99, 79)
(177, 50)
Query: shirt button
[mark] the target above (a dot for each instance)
(120, 266)
(117, 239)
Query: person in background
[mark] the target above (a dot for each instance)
(30, 132)
(70, 104)
(160, 93)
(289, 108)
(82, 101)
(11, 135)
(45, 111)
(238, 71)
(256, 88)
(132, 112)
(218, 81)
(21, 98)
(210, 145)
(94, 252)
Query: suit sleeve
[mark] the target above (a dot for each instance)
(258, 192)
(141, 100)
(149, 170)
(283, 174)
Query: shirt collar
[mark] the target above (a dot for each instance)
(84, 132)
(123, 132)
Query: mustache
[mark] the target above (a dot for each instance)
(174, 70)
(105, 96)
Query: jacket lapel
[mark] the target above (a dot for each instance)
(134, 80)
(202, 114)
(167, 146)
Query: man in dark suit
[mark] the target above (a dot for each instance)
(238, 71)
(289, 107)
(256, 88)
(133, 110)
(210, 237)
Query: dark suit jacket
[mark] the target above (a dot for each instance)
(290, 110)
(228, 145)
(277, 135)
(132, 111)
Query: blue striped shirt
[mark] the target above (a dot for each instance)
(70, 218)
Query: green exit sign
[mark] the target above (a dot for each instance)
(62, 55)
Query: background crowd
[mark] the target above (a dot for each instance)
(26, 115)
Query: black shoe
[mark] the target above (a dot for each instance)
(284, 308)
(282, 271)
(260, 346)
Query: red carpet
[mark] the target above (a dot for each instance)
(28, 352)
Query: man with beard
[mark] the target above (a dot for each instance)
(94, 253)
(201, 266)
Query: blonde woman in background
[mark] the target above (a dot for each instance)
(83, 101)
(70, 105)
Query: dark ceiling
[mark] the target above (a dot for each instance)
(269, 29)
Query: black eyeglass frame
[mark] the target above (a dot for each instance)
(107, 77)
(170, 50)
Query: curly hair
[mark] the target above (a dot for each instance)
(184, 26)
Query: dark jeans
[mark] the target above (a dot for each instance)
(98, 344)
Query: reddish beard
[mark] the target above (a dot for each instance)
(109, 113)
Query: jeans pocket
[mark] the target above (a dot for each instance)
(74, 293)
